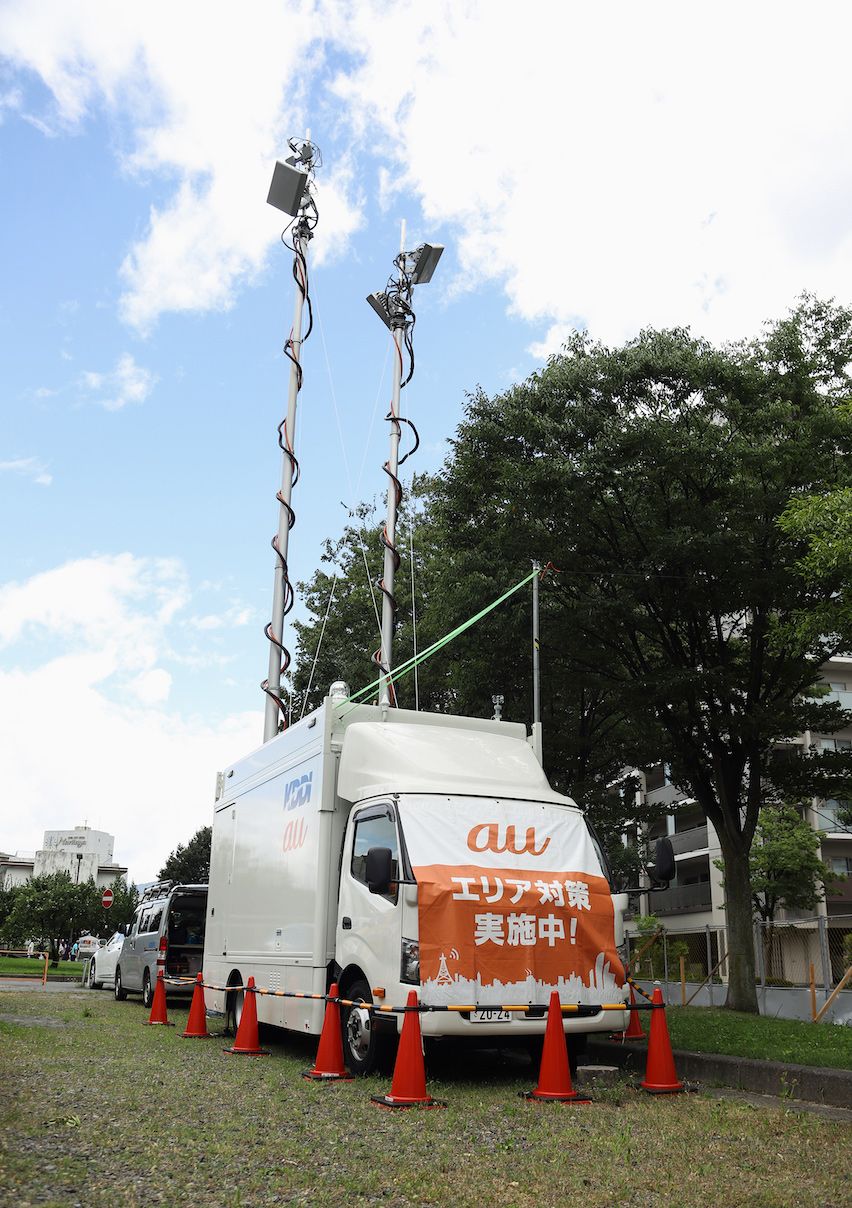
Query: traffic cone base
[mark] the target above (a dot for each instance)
(660, 1074)
(329, 1066)
(408, 1088)
(196, 1025)
(393, 1101)
(247, 1040)
(158, 1005)
(554, 1078)
(539, 1097)
(635, 1031)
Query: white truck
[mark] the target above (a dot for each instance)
(386, 850)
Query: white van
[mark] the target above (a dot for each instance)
(167, 932)
(388, 850)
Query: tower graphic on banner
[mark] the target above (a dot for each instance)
(443, 978)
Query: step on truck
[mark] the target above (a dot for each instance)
(389, 850)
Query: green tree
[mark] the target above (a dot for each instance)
(190, 864)
(583, 725)
(103, 922)
(785, 866)
(654, 475)
(49, 908)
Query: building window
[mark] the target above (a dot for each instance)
(841, 865)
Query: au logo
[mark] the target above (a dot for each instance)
(487, 836)
(295, 833)
(298, 792)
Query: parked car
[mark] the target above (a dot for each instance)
(167, 933)
(103, 963)
(87, 946)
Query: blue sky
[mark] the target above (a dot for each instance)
(603, 169)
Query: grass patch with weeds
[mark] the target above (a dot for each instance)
(23, 966)
(714, 1030)
(141, 1116)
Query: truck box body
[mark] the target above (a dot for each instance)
(507, 898)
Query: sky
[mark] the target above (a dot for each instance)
(601, 167)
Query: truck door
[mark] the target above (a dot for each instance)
(368, 925)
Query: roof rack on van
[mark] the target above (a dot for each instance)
(157, 890)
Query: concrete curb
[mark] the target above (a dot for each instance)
(810, 1083)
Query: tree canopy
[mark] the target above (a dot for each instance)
(681, 627)
(190, 864)
(785, 866)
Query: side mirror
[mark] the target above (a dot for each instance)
(379, 869)
(663, 869)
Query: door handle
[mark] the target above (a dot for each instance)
(346, 923)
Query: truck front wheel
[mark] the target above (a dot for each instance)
(366, 1049)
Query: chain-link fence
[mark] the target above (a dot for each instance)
(787, 954)
(804, 957)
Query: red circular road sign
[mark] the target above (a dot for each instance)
(106, 900)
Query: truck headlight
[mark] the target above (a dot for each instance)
(409, 968)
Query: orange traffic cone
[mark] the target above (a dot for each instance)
(329, 1066)
(247, 1040)
(635, 1031)
(660, 1073)
(196, 1025)
(408, 1088)
(158, 1006)
(554, 1078)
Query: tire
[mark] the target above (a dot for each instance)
(233, 1009)
(91, 980)
(147, 992)
(364, 1048)
(118, 989)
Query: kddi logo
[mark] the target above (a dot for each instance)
(298, 792)
(489, 836)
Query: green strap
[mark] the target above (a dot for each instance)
(408, 666)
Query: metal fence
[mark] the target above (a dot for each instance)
(789, 956)
(785, 952)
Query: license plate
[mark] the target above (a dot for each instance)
(490, 1015)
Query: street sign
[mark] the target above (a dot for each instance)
(106, 900)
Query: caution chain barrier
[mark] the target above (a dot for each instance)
(423, 1008)
(408, 1088)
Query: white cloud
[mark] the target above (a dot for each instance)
(210, 98)
(93, 735)
(29, 467)
(621, 165)
(606, 165)
(233, 618)
(127, 383)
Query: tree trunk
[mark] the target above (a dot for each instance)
(742, 990)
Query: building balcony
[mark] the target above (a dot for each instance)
(681, 899)
(690, 840)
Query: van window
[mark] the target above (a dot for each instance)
(374, 830)
(154, 925)
(143, 921)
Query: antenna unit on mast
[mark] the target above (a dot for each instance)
(393, 306)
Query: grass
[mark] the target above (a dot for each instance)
(22, 966)
(711, 1030)
(140, 1116)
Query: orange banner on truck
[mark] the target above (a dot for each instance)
(512, 903)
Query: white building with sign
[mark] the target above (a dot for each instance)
(81, 852)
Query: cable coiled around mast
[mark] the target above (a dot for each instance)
(307, 156)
